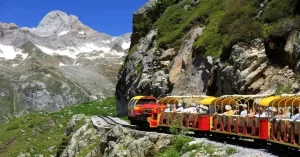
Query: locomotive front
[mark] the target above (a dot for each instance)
(141, 109)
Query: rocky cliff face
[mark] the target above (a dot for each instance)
(59, 63)
(110, 141)
(211, 47)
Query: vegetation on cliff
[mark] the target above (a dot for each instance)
(226, 22)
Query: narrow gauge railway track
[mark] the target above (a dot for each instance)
(111, 121)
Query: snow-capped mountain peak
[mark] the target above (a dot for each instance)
(64, 35)
(57, 23)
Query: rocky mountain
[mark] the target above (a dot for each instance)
(211, 47)
(58, 63)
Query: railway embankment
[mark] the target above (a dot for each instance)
(112, 137)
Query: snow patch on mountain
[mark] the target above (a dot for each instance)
(73, 52)
(125, 45)
(9, 52)
(63, 32)
(106, 41)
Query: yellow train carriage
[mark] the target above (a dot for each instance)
(283, 129)
(234, 115)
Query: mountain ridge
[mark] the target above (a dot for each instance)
(59, 63)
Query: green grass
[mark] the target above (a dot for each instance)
(8, 104)
(283, 89)
(151, 16)
(227, 22)
(37, 133)
(209, 43)
(279, 9)
(88, 149)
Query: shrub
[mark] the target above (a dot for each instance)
(180, 141)
(230, 150)
(245, 29)
(13, 127)
(279, 9)
(232, 21)
(209, 43)
(170, 152)
(151, 16)
(192, 147)
(281, 89)
(171, 25)
(282, 28)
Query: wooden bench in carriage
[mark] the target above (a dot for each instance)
(240, 126)
(192, 121)
(284, 131)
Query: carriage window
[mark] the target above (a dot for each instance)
(145, 101)
(131, 103)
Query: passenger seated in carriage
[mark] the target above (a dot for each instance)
(168, 109)
(296, 115)
(193, 108)
(173, 108)
(271, 110)
(229, 111)
(279, 116)
(190, 108)
(261, 112)
(180, 108)
(243, 110)
(203, 109)
(215, 111)
(186, 109)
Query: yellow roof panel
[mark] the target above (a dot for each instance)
(266, 101)
(207, 101)
(168, 100)
(144, 97)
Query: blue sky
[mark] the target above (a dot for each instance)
(113, 17)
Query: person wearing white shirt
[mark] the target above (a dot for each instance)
(261, 113)
(193, 108)
(203, 109)
(180, 108)
(187, 109)
(244, 111)
(295, 117)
